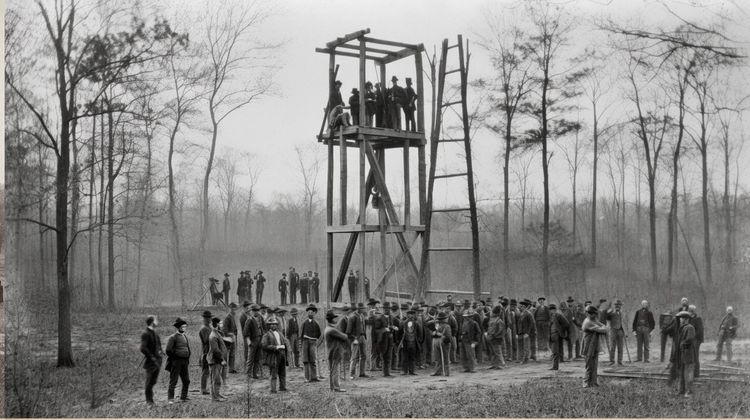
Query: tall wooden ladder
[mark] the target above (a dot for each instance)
(441, 127)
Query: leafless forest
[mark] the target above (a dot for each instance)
(121, 194)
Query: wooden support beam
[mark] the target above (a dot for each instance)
(329, 222)
(359, 227)
(348, 37)
(389, 208)
(407, 187)
(416, 47)
(420, 91)
(383, 282)
(367, 49)
(342, 179)
(347, 54)
(397, 55)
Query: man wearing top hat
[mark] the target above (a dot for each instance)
(310, 331)
(229, 328)
(292, 334)
(397, 102)
(357, 334)
(204, 333)
(616, 321)
(260, 283)
(336, 341)
(592, 330)
(178, 360)
(152, 352)
(225, 287)
(252, 333)
(275, 346)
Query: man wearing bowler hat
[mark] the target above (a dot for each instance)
(178, 360)
(310, 331)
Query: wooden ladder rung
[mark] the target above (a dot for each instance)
(449, 210)
(452, 71)
(455, 248)
(449, 140)
(450, 175)
(450, 104)
(453, 46)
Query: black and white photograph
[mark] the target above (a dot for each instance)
(375, 209)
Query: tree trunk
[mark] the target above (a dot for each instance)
(102, 209)
(506, 201)
(110, 214)
(175, 234)
(92, 218)
(74, 208)
(652, 222)
(593, 187)
(40, 215)
(545, 173)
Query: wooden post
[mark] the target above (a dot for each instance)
(420, 90)
(362, 80)
(329, 222)
(407, 187)
(422, 172)
(342, 175)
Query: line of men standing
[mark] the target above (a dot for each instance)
(308, 287)
(383, 106)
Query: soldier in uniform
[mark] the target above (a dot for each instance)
(283, 284)
(375, 357)
(292, 334)
(525, 325)
(541, 318)
(496, 337)
(204, 334)
(275, 346)
(260, 283)
(592, 330)
(470, 336)
(304, 288)
(383, 327)
(512, 324)
(216, 359)
(643, 324)
(293, 285)
(727, 332)
(410, 106)
(615, 320)
(356, 332)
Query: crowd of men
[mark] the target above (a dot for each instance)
(408, 337)
(308, 287)
(383, 106)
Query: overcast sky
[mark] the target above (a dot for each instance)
(272, 127)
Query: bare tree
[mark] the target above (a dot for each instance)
(239, 73)
(227, 172)
(310, 162)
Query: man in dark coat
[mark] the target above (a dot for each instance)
(354, 105)
(383, 327)
(441, 344)
(178, 361)
(204, 334)
(643, 324)
(525, 324)
(615, 318)
(496, 337)
(470, 336)
(243, 320)
(592, 331)
(410, 342)
(260, 283)
(275, 346)
(225, 288)
(241, 286)
(283, 284)
(352, 282)
(304, 288)
(369, 104)
(152, 352)
(293, 285)
(727, 332)
(230, 333)
(336, 341)
(685, 355)
(310, 331)
(397, 101)
(380, 107)
(358, 337)
(315, 288)
(216, 360)
(697, 323)
(252, 333)
(293, 335)
(213, 289)
(558, 330)
(410, 106)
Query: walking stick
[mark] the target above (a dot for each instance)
(627, 350)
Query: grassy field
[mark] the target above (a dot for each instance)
(108, 382)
